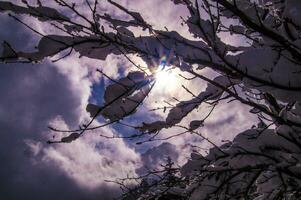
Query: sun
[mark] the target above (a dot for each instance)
(167, 78)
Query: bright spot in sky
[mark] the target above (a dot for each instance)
(167, 79)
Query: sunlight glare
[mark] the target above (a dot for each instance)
(166, 78)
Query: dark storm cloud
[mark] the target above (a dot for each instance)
(30, 96)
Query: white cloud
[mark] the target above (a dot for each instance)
(90, 160)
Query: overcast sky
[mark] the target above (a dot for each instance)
(34, 96)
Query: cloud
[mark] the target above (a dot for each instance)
(32, 96)
(92, 159)
(156, 156)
